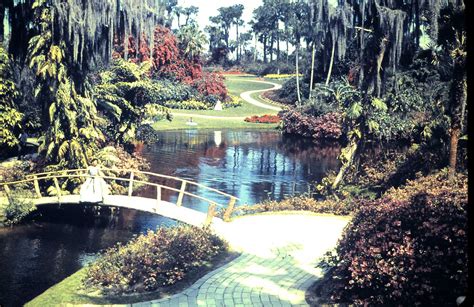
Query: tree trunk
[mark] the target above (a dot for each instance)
(457, 109)
(255, 48)
(331, 62)
(278, 46)
(272, 39)
(351, 152)
(287, 52)
(237, 40)
(453, 151)
(378, 78)
(313, 53)
(265, 49)
(297, 74)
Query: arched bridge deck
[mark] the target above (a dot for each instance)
(61, 187)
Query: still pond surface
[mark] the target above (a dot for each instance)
(252, 165)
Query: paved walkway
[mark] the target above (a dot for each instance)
(245, 96)
(277, 264)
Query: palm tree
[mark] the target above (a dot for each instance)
(191, 40)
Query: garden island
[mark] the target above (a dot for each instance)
(249, 153)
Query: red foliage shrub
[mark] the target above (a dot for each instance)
(328, 126)
(144, 52)
(165, 47)
(264, 119)
(211, 84)
(407, 248)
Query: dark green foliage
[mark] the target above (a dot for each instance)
(288, 90)
(153, 260)
(407, 248)
(128, 96)
(10, 117)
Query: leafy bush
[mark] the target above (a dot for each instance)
(262, 69)
(211, 84)
(288, 94)
(328, 126)
(166, 90)
(153, 260)
(264, 119)
(407, 248)
(188, 105)
(232, 102)
(18, 207)
(301, 203)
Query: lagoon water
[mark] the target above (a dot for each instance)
(253, 165)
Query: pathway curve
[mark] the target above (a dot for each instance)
(276, 267)
(245, 96)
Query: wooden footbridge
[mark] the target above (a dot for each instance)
(55, 188)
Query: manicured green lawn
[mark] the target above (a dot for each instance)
(179, 122)
(236, 86)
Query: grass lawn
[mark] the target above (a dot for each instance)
(179, 122)
(70, 290)
(236, 86)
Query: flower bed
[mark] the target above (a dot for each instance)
(281, 76)
(264, 119)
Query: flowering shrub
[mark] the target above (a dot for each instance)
(211, 84)
(153, 260)
(232, 101)
(327, 126)
(264, 119)
(407, 248)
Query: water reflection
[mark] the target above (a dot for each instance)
(252, 165)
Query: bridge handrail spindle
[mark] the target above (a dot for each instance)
(179, 202)
(211, 212)
(130, 184)
(230, 208)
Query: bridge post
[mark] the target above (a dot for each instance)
(158, 193)
(210, 214)
(7, 191)
(230, 208)
(179, 202)
(37, 188)
(130, 184)
(56, 184)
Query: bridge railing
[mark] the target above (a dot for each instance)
(131, 179)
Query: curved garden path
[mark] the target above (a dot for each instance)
(279, 252)
(246, 96)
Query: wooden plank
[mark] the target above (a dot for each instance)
(230, 208)
(181, 194)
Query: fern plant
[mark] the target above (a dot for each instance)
(72, 136)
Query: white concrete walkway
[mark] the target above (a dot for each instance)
(247, 95)
(277, 265)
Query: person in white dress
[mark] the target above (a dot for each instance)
(94, 188)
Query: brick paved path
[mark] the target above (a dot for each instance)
(277, 265)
